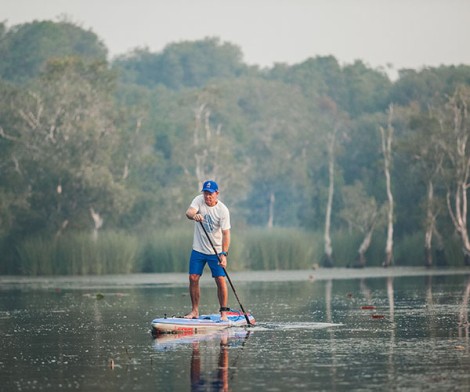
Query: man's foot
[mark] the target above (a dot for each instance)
(223, 313)
(192, 315)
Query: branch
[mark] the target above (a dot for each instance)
(8, 137)
(451, 211)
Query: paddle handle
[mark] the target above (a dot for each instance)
(226, 274)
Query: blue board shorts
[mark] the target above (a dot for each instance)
(198, 261)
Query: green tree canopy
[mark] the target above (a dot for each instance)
(25, 48)
(184, 64)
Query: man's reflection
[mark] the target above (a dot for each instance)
(206, 373)
(210, 380)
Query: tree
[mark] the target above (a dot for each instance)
(423, 154)
(26, 48)
(14, 191)
(366, 90)
(455, 122)
(331, 122)
(63, 141)
(361, 212)
(387, 140)
(182, 65)
(278, 137)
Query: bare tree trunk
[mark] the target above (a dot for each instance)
(429, 226)
(387, 138)
(272, 200)
(328, 257)
(364, 247)
(98, 221)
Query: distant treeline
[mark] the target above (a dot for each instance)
(359, 166)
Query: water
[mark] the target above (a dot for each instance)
(381, 330)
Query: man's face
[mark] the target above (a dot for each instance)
(210, 198)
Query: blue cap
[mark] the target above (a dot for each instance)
(210, 186)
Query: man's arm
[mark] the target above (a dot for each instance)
(191, 214)
(225, 240)
(225, 247)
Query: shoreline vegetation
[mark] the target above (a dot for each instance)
(109, 282)
(277, 249)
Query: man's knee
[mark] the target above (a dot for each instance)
(194, 278)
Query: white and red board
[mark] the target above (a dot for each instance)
(202, 324)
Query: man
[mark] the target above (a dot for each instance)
(215, 217)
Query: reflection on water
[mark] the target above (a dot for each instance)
(368, 334)
(207, 370)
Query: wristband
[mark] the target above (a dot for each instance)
(223, 254)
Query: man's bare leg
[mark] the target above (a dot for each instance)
(194, 292)
(222, 294)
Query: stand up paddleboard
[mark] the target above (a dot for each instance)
(202, 324)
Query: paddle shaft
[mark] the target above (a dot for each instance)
(226, 274)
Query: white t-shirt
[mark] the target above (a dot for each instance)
(216, 219)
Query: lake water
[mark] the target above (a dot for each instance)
(325, 330)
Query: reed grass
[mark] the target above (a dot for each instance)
(165, 251)
(276, 249)
(78, 253)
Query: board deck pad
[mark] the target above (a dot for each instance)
(202, 324)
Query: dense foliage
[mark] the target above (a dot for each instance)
(90, 144)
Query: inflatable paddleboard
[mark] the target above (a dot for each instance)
(202, 324)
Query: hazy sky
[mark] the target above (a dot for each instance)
(403, 33)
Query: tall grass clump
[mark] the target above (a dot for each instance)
(276, 249)
(166, 251)
(78, 254)
(36, 256)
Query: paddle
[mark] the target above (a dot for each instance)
(226, 274)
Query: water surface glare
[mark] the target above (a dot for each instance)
(315, 331)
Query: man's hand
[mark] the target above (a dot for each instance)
(198, 217)
(223, 261)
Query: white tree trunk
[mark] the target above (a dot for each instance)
(365, 244)
(387, 138)
(429, 226)
(98, 222)
(272, 200)
(328, 262)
